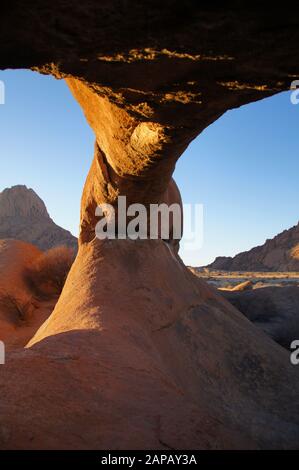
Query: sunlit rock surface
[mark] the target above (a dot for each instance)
(138, 352)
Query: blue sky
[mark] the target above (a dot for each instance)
(243, 168)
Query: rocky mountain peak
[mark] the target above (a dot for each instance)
(20, 201)
(24, 216)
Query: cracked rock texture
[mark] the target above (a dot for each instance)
(21, 313)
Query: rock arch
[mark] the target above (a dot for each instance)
(138, 352)
(151, 77)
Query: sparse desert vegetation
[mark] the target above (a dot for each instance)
(48, 272)
(15, 309)
(233, 279)
(269, 300)
(30, 284)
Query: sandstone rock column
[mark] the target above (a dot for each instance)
(132, 158)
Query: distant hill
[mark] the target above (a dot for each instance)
(24, 216)
(281, 253)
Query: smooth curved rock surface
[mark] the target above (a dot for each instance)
(138, 352)
(275, 310)
(152, 367)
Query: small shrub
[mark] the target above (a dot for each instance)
(47, 274)
(15, 309)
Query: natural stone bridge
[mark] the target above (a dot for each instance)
(138, 352)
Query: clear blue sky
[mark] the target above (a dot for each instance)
(243, 169)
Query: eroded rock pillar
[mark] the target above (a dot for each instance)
(132, 158)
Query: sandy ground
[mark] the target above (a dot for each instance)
(229, 280)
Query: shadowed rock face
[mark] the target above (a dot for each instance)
(275, 310)
(143, 353)
(147, 356)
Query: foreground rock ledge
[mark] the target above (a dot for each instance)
(139, 353)
(146, 365)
